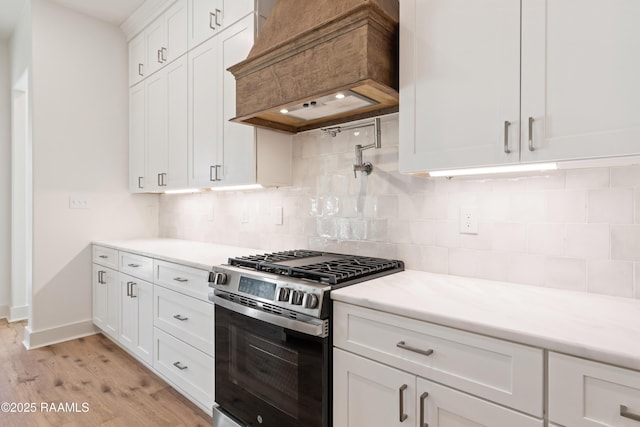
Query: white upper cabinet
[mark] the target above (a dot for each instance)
(209, 17)
(580, 68)
(459, 83)
(137, 59)
(205, 153)
(467, 101)
(166, 99)
(137, 138)
(164, 40)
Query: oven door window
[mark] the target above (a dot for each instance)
(270, 376)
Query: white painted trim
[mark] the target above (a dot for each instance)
(18, 313)
(143, 16)
(4, 311)
(36, 339)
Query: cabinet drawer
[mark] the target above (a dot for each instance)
(105, 256)
(137, 266)
(496, 370)
(184, 317)
(589, 394)
(188, 368)
(188, 280)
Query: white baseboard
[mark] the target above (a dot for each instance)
(18, 313)
(4, 311)
(35, 339)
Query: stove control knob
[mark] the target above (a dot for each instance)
(296, 297)
(310, 301)
(219, 278)
(283, 294)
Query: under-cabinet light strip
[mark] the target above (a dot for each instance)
(530, 167)
(189, 190)
(238, 187)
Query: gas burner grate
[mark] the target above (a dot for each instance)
(339, 269)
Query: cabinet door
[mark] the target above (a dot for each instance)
(175, 21)
(232, 11)
(155, 39)
(177, 123)
(440, 406)
(580, 84)
(204, 104)
(137, 54)
(238, 141)
(106, 299)
(459, 83)
(136, 320)
(157, 141)
(367, 393)
(137, 138)
(202, 20)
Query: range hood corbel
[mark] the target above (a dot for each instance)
(320, 63)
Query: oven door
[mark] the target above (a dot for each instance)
(270, 376)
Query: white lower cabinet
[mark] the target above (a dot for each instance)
(159, 312)
(389, 370)
(106, 299)
(136, 317)
(370, 394)
(187, 367)
(584, 393)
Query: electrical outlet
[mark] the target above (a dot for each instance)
(79, 201)
(244, 216)
(469, 220)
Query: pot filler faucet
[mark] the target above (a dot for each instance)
(359, 166)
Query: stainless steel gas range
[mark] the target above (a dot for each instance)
(273, 334)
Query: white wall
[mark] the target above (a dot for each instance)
(574, 229)
(5, 178)
(80, 145)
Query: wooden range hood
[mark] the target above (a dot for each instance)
(318, 63)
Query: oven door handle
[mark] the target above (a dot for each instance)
(314, 327)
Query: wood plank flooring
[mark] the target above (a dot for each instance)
(116, 390)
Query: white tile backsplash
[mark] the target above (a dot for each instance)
(569, 229)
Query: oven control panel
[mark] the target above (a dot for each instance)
(292, 294)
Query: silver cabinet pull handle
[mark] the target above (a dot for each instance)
(180, 317)
(159, 180)
(402, 415)
(211, 18)
(531, 134)
(129, 289)
(163, 54)
(211, 169)
(140, 182)
(180, 366)
(134, 265)
(404, 346)
(217, 177)
(506, 136)
(624, 412)
(101, 277)
(160, 56)
(218, 12)
(103, 256)
(423, 397)
(140, 73)
(132, 294)
(180, 279)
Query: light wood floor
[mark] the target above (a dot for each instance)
(118, 390)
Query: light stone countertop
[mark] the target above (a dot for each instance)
(186, 252)
(596, 327)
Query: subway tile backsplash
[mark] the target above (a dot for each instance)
(574, 229)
